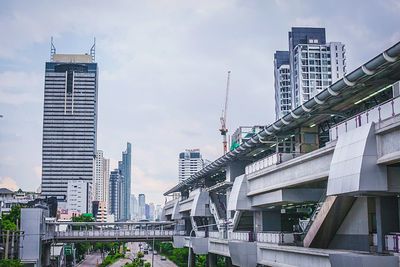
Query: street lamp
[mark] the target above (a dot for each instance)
(190, 238)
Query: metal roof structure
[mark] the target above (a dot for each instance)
(377, 73)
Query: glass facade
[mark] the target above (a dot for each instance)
(69, 125)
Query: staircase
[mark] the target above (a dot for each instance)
(326, 220)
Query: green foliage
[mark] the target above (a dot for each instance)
(140, 254)
(10, 263)
(201, 260)
(9, 221)
(147, 264)
(110, 259)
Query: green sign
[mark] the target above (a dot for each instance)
(68, 250)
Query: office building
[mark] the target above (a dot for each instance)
(190, 162)
(283, 94)
(101, 178)
(115, 193)
(152, 210)
(125, 168)
(101, 215)
(313, 65)
(69, 121)
(134, 207)
(79, 196)
(142, 206)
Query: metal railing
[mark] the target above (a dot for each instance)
(275, 237)
(378, 113)
(270, 160)
(246, 236)
(114, 233)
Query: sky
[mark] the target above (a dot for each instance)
(162, 72)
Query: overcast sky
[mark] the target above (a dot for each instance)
(163, 68)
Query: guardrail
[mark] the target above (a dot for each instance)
(275, 237)
(270, 160)
(241, 236)
(378, 113)
(117, 233)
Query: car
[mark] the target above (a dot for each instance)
(155, 252)
(163, 258)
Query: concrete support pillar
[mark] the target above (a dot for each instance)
(192, 262)
(257, 223)
(386, 219)
(46, 255)
(228, 262)
(212, 260)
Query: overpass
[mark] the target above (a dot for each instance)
(40, 233)
(318, 187)
(75, 232)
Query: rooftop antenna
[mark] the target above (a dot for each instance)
(52, 49)
(93, 50)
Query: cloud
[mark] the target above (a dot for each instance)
(163, 71)
(19, 87)
(8, 182)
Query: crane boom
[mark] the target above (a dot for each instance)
(223, 129)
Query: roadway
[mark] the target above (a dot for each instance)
(134, 247)
(91, 260)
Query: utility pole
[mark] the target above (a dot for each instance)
(223, 128)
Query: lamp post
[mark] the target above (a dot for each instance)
(190, 238)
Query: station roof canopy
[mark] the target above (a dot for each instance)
(376, 74)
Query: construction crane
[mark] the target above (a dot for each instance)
(223, 129)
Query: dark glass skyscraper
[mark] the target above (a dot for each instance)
(125, 169)
(69, 122)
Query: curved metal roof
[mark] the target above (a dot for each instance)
(382, 70)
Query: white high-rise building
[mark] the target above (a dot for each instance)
(283, 93)
(313, 65)
(101, 178)
(142, 206)
(134, 208)
(190, 162)
(79, 196)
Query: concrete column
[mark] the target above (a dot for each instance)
(386, 219)
(212, 260)
(192, 258)
(228, 262)
(46, 255)
(258, 222)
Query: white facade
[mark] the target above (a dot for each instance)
(102, 212)
(190, 162)
(142, 206)
(316, 66)
(134, 208)
(101, 177)
(79, 196)
(283, 92)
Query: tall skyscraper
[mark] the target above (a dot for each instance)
(125, 168)
(142, 206)
(190, 162)
(115, 193)
(283, 93)
(101, 177)
(69, 121)
(314, 65)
